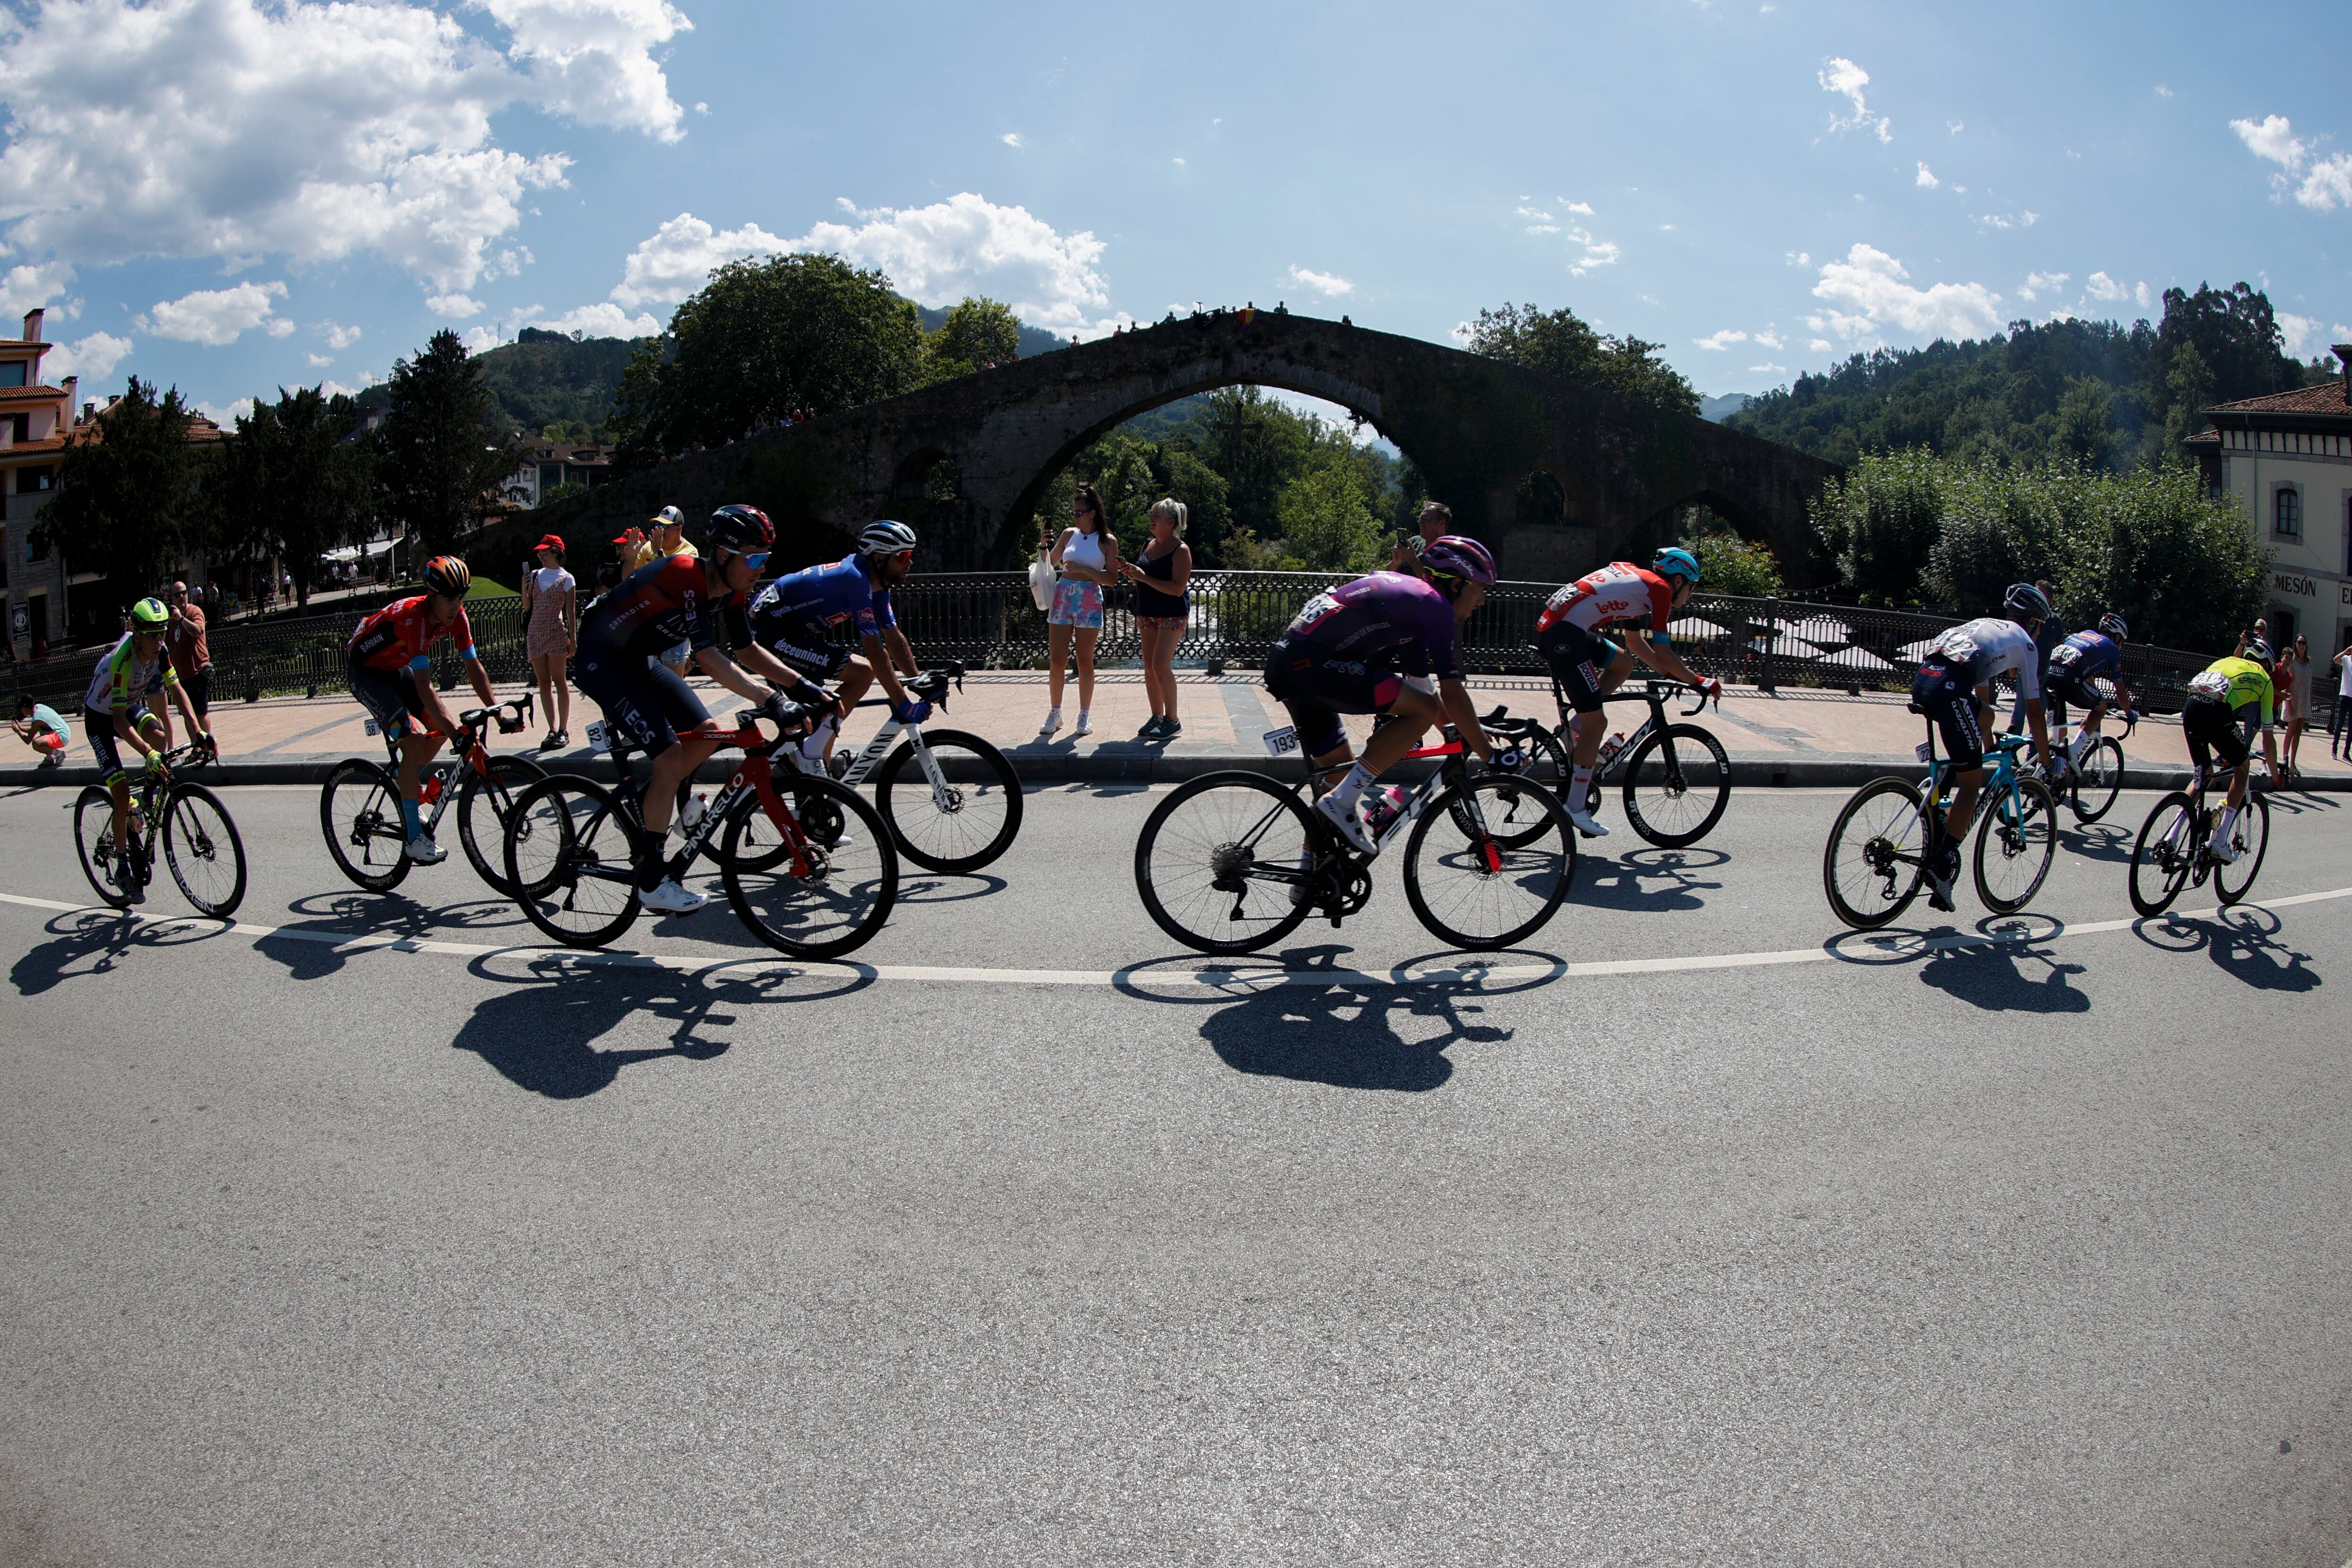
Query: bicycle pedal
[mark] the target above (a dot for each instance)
(837, 765)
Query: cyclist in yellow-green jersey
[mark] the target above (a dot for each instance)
(115, 709)
(2227, 700)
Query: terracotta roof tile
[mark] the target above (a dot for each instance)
(2204, 438)
(2327, 398)
(31, 394)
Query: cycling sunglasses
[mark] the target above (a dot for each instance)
(756, 562)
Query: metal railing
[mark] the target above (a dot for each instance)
(988, 621)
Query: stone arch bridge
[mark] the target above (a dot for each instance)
(1555, 477)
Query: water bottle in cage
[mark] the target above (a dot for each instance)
(1608, 751)
(434, 779)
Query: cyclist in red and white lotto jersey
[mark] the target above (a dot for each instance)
(1589, 666)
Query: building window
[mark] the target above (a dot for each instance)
(38, 477)
(11, 373)
(2286, 512)
(20, 427)
(36, 547)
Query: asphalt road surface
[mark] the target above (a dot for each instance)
(1026, 1244)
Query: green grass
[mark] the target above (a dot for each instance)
(490, 588)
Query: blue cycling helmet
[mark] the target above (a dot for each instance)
(2111, 625)
(1675, 562)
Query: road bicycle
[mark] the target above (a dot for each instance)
(808, 866)
(1231, 862)
(2094, 782)
(199, 837)
(1678, 777)
(359, 805)
(2175, 849)
(952, 801)
(1880, 847)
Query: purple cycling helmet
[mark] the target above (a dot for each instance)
(1452, 555)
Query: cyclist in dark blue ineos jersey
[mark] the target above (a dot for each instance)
(2078, 661)
(792, 618)
(649, 706)
(1349, 651)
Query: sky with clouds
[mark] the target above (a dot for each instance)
(231, 197)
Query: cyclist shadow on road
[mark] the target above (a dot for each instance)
(91, 944)
(313, 947)
(2109, 841)
(1648, 880)
(1344, 1032)
(2011, 969)
(923, 887)
(541, 1032)
(2241, 942)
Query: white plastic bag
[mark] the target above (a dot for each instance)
(1041, 583)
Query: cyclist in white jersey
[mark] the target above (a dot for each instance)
(1954, 688)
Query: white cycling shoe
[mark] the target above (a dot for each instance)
(667, 898)
(1351, 826)
(1586, 824)
(2224, 851)
(424, 852)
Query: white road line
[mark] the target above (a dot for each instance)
(2030, 929)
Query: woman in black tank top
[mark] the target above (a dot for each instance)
(1163, 609)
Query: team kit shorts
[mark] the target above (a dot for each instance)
(1578, 659)
(644, 706)
(389, 696)
(1315, 688)
(2211, 726)
(1945, 693)
(2062, 685)
(99, 727)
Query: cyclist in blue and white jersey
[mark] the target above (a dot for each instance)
(1954, 688)
(115, 709)
(2078, 661)
(793, 618)
(1350, 649)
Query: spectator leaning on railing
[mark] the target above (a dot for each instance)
(192, 654)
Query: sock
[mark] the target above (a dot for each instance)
(1349, 789)
(2221, 828)
(412, 815)
(1580, 786)
(821, 737)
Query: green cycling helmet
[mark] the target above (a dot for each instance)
(150, 615)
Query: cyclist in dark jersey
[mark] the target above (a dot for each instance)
(649, 706)
(2077, 660)
(793, 618)
(390, 672)
(1349, 651)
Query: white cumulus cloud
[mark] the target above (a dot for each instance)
(2327, 182)
(1323, 285)
(241, 129)
(673, 261)
(456, 307)
(227, 417)
(1770, 338)
(2272, 138)
(1842, 77)
(217, 317)
(2035, 282)
(1869, 293)
(1010, 139)
(92, 358)
(25, 287)
(2303, 333)
(938, 254)
(2104, 289)
(320, 361)
(339, 337)
(1821, 346)
(1927, 178)
(1758, 367)
(1721, 340)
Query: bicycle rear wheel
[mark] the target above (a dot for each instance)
(968, 819)
(2164, 855)
(1676, 785)
(570, 851)
(101, 859)
(2097, 779)
(2251, 837)
(2015, 844)
(359, 811)
(1471, 888)
(483, 804)
(1224, 863)
(811, 898)
(202, 847)
(1877, 853)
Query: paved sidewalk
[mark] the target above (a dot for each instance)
(1796, 736)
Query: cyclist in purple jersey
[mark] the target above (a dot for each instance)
(1349, 651)
(793, 617)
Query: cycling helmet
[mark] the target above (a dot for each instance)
(886, 538)
(447, 575)
(1452, 555)
(742, 528)
(2028, 601)
(149, 615)
(1675, 562)
(2111, 625)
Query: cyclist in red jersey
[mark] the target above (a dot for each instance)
(391, 675)
(1589, 666)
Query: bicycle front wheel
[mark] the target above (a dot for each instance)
(2097, 779)
(483, 804)
(569, 854)
(963, 820)
(810, 896)
(2250, 836)
(1226, 863)
(2015, 844)
(359, 811)
(2164, 855)
(1472, 886)
(1877, 854)
(202, 847)
(1676, 786)
(101, 859)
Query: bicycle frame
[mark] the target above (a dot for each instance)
(465, 750)
(1653, 692)
(932, 686)
(756, 773)
(1999, 790)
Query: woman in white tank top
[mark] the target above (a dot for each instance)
(1087, 557)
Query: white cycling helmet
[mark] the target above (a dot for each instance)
(2029, 602)
(886, 538)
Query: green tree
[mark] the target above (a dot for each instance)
(760, 339)
(1327, 523)
(293, 482)
(1728, 563)
(1557, 342)
(130, 503)
(1879, 521)
(2187, 392)
(442, 460)
(978, 333)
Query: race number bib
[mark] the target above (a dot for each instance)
(1314, 612)
(1958, 649)
(2065, 653)
(1281, 743)
(596, 734)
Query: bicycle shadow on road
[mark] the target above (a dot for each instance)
(320, 945)
(2005, 965)
(1343, 1031)
(1646, 880)
(923, 887)
(2241, 942)
(540, 1032)
(2109, 841)
(88, 943)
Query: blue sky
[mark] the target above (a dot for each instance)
(230, 197)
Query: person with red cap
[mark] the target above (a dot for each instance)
(551, 602)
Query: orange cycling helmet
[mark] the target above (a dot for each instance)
(447, 575)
